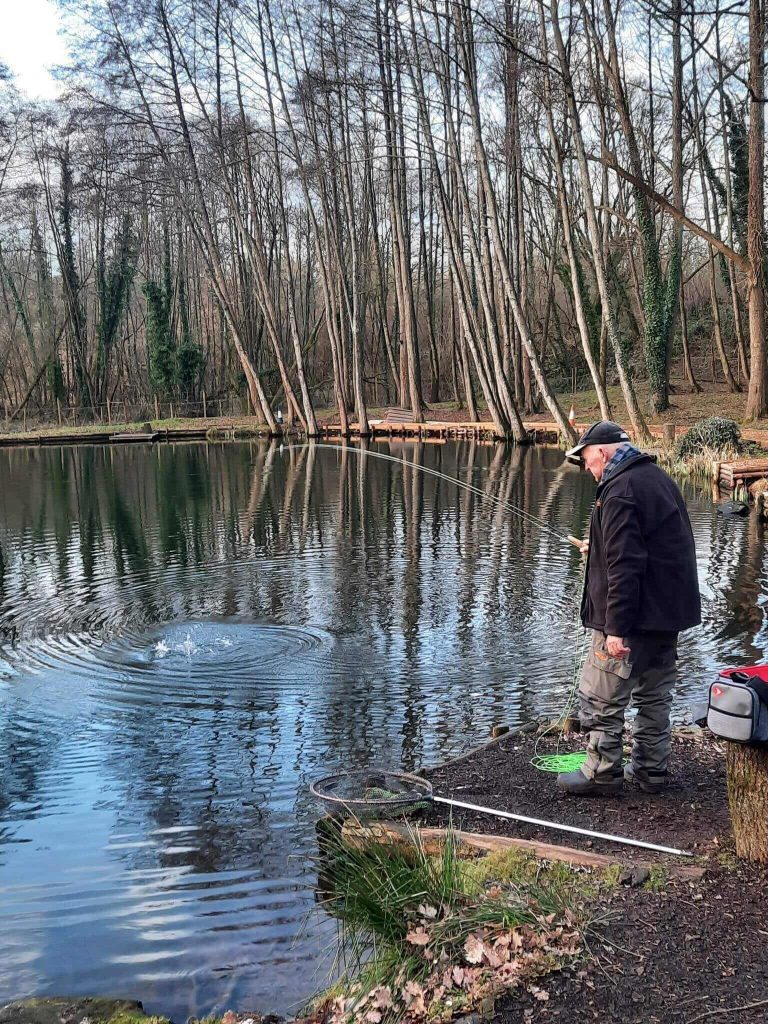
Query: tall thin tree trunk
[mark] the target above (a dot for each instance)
(757, 398)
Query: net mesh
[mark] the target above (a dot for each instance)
(372, 793)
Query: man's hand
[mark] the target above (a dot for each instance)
(584, 548)
(615, 646)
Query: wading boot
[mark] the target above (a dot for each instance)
(647, 780)
(578, 784)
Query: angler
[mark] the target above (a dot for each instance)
(640, 591)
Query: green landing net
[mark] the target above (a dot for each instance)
(559, 762)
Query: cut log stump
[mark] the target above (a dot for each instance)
(747, 773)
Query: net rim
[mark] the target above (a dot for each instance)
(407, 800)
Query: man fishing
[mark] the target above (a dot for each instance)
(641, 590)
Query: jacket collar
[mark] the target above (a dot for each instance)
(623, 466)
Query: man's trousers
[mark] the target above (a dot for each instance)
(646, 676)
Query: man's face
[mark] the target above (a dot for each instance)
(596, 457)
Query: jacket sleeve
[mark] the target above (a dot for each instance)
(626, 555)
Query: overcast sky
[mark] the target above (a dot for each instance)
(30, 44)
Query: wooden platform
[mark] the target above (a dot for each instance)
(476, 430)
(732, 474)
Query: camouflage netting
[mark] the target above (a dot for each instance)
(713, 435)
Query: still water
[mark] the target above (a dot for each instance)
(190, 634)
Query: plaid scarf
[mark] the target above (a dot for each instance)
(619, 456)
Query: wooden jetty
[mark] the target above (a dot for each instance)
(474, 430)
(741, 471)
(102, 437)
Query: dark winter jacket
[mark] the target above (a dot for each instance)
(641, 567)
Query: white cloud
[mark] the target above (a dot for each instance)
(30, 44)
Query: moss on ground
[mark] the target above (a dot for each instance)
(122, 1017)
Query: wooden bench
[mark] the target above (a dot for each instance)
(398, 416)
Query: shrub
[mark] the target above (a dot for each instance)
(714, 435)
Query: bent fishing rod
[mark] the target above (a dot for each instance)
(484, 495)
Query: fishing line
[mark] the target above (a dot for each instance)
(560, 762)
(495, 499)
(551, 760)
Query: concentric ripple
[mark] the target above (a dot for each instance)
(225, 650)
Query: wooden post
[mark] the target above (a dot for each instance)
(205, 407)
(58, 409)
(109, 412)
(669, 433)
(25, 419)
(747, 773)
(172, 416)
(157, 409)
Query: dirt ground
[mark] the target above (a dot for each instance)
(693, 952)
(691, 815)
(676, 952)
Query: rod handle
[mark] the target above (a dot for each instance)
(575, 541)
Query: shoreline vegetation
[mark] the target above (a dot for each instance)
(685, 443)
(687, 408)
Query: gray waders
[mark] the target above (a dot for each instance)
(646, 676)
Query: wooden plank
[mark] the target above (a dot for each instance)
(135, 436)
(433, 839)
(747, 465)
(399, 416)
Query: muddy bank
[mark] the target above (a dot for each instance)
(687, 953)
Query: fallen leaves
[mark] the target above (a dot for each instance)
(418, 936)
(474, 949)
(444, 967)
(487, 964)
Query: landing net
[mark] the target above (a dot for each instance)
(370, 793)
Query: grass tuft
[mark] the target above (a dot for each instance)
(423, 936)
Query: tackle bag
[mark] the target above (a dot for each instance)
(738, 705)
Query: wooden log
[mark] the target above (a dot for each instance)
(747, 774)
(747, 465)
(669, 432)
(472, 844)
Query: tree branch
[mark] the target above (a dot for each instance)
(609, 160)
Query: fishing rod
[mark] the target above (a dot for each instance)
(484, 495)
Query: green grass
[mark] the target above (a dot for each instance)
(659, 879)
(405, 918)
(133, 1018)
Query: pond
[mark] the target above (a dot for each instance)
(192, 633)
